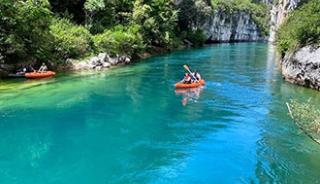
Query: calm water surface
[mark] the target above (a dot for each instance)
(129, 125)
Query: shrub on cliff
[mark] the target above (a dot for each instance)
(119, 40)
(196, 37)
(302, 27)
(70, 40)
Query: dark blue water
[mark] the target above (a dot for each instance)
(129, 125)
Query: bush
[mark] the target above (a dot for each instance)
(158, 20)
(301, 28)
(196, 37)
(119, 40)
(307, 117)
(70, 41)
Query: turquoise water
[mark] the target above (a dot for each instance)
(129, 125)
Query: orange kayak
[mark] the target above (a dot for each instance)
(39, 75)
(192, 85)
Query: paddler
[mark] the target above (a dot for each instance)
(197, 75)
(187, 79)
(43, 68)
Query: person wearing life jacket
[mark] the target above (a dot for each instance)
(187, 79)
(43, 68)
(197, 75)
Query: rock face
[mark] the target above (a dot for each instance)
(222, 27)
(303, 67)
(279, 12)
(102, 61)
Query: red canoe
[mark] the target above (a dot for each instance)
(192, 85)
(39, 75)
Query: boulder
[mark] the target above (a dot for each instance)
(94, 60)
(302, 67)
(103, 57)
(113, 60)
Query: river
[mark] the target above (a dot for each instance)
(129, 125)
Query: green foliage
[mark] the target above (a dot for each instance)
(158, 19)
(44, 30)
(72, 9)
(302, 27)
(192, 13)
(307, 117)
(70, 40)
(196, 37)
(24, 30)
(120, 40)
(102, 14)
(258, 11)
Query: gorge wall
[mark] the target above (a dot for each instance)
(300, 66)
(223, 27)
(279, 12)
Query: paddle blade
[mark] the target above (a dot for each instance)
(186, 67)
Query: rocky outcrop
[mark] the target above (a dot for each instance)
(302, 67)
(99, 62)
(223, 27)
(279, 12)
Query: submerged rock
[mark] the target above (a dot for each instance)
(302, 67)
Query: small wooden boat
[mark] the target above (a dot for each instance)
(192, 85)
(39, 75)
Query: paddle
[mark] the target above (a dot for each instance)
(188, 69)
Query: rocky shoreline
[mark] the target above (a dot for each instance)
(99, 62)
(302, 67)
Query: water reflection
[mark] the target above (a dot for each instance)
(189, 95)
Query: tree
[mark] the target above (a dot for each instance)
(192, 13)
(24, 31)
(158, 19)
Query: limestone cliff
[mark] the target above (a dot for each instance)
(223, 27)
(279, 12)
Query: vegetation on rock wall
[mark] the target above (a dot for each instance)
(302, 27)
(257, 10)
(43, 30)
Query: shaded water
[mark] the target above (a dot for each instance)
(129, 125)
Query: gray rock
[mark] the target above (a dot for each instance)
(223, 27)
(114, 60)
(302, 67)
(127, 60)
(103, 60)
(106, 65)
(103, 57)
(94, 60)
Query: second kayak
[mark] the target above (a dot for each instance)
(192, 85)
(39, 75)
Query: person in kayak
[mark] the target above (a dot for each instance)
(187, 79)
(29, 69)
(197, 75)
(43, 68)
